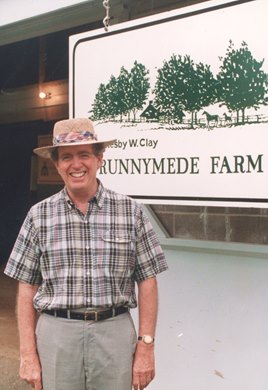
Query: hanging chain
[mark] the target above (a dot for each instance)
(106, 20)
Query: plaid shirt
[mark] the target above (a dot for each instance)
(87, 260)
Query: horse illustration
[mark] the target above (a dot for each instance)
(211, 118)
(227, 118)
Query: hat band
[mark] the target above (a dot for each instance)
(74, 136)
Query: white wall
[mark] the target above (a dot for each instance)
(213, 320)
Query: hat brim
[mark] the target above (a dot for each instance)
(45, 151)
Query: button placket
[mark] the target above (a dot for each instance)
(87, 261)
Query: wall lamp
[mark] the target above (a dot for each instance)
(44, 95)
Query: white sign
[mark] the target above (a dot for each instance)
(185, 95)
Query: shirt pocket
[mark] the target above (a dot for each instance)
(118, 253)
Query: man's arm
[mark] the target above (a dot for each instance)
(30, 369)
(144, 366)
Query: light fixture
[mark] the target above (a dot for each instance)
(44, 95)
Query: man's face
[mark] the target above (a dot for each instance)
(78, 166)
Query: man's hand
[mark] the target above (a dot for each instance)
(143, 366)
(30, 371)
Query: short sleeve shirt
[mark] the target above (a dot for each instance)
(90, 260)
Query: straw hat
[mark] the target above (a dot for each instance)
(70, 132)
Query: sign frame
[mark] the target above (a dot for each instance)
(254, 165)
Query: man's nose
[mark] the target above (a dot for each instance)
(76, 161)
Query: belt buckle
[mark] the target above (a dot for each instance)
(86, 313)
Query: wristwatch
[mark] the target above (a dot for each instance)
(147, 339)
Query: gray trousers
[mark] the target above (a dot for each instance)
(80, 355)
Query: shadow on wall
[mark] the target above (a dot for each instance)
(16, 197)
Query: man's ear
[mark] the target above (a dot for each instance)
(55, 163)
(100, 160)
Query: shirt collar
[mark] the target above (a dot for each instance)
(99, 196)
(66, 198)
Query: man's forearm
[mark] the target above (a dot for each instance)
(26, 317)
(30, 368)
(144, 366)
(148, 306)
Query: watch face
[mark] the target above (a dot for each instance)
(148, 339)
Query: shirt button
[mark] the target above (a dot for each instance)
(87, 247)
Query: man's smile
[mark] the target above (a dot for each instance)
(78, 174)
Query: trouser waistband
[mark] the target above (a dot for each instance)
(87, 315)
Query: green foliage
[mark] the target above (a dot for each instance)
(122, 95)
(139, 86)
(101, 103)
(182, 84)
(242, 82)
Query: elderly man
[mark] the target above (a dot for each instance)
(77, 258)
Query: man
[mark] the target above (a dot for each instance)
(77, 258)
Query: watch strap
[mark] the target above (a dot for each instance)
(143, 338)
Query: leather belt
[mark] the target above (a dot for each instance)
(87, 315)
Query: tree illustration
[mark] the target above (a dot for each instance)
(118, 88)
(243, 84)
(139, 86)
(109, 99)
(101, 103)
(123, 94)
(183, 85)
